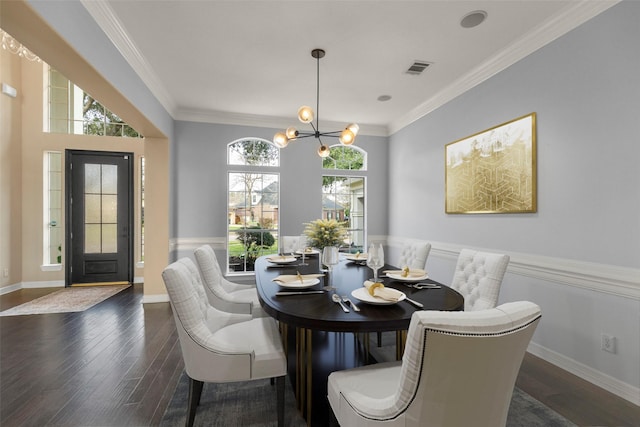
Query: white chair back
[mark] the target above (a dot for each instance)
(478, 277)
(458, 369)
(414, 255)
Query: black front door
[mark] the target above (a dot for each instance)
(99, 201)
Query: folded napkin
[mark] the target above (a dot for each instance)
(377, 289)
(359, 256)
(279, 257)
(407, 272)
(293, 278)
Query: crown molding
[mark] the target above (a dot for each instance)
(106, 19)
(240, 119)
(571, 17)
(575, 14)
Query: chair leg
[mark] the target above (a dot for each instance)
(333, 421)
(195, 391)
(280, 400)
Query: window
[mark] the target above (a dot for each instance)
(343, 196)
(253, 152)
(343, 200)
(141, 208)
(345, 158)
(53, 229)
(253, 203)
(72, 110)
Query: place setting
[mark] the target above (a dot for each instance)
(298, 284)
(280, 261)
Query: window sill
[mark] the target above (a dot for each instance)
(51, 267)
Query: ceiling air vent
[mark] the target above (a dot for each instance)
(418, 67)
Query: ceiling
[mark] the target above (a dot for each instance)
(249, 62)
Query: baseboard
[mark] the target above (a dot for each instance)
(10, 288)
(43, 284)
(613, 385)
(154, 299)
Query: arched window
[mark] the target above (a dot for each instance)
(343, 192)
(253, 202)
(253, 152)
(345, 158)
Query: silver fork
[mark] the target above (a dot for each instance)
(346, 299)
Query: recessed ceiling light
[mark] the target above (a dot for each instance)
(473, 19)
(383, 98)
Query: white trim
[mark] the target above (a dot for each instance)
(571, 17)
(607, 279)
(140, 264)
(154, 299)
(138, 279)
(43, 284)
(10, 288)
(615, 386)
(107, 20)
(51, 267)
(574, 15)
(192, 243)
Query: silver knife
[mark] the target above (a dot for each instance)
(414, 302)
(281, 294)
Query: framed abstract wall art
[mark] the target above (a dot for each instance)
(493, 171)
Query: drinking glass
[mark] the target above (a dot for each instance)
(302, 247)
(375, 259)
(330, 257)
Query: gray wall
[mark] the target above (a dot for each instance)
(585, 89)
(200, 182)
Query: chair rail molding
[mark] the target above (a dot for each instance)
(604, 278)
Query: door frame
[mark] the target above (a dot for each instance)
(68, 209)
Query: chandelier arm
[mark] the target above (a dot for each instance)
(317, 94)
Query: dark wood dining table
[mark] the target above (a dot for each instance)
(313, 326)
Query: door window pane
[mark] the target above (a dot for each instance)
(101, 208)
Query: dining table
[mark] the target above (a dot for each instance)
(317, 330)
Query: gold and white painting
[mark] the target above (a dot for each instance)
(493, 171)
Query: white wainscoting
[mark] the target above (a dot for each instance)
(544, 279)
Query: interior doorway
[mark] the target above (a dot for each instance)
(99, 220)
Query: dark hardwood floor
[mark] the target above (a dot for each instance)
(117, 364)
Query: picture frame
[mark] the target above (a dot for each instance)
(493, 171)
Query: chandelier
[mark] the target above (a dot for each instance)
(15, 47)
(306, 115)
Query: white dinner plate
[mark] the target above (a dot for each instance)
(399, 277)
(360, 258)
(311, 252)
(306, 283)
(282, 259)
(363, 295)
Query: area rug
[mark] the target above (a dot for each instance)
(253, 403)
(66, 300)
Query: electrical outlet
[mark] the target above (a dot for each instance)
(608, 343)
(5, 272)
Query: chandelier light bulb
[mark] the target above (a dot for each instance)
(323, 151)
(280, 139)
(346, 137)
(305, 114)
(353, 127)
(291, 132)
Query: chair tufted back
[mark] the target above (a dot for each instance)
(414, 255)
(196, 281)
(478, 277)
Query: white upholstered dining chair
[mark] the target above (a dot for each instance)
(222, 293)
(414, 255)
(221, 351)
(478, 277)
(459, 369)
